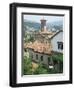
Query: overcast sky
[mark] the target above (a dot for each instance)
(37, 18)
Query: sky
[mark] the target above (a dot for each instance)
(37, 18)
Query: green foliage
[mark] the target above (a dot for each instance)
(58, 57)
(49, 58)
(31, 39)
(57, 63)
(28, 38)
(27, 66)
(40, 70)
(58, 60)
(52, 71)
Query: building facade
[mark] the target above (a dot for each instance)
(57, 42)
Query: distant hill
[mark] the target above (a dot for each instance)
(35, 26)
(30, 25)
(57, 25)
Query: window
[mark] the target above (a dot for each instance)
(41, 58)
(60, 45)
(36, 56)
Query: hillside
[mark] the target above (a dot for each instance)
(34, 26)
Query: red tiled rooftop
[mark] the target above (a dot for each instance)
(39, 47)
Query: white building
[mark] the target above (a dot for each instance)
(57, 42)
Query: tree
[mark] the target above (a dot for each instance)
(28, 69)
(27, 66)
(58, 62)
(58, 57)
(31, 39)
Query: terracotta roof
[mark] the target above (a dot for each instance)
(39, 47)
(45, 31)
(47, 35)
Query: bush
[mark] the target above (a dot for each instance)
(41, 70)
(27, 66)
(58, 57)
(58, 61)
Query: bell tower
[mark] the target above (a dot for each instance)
(43, 24)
